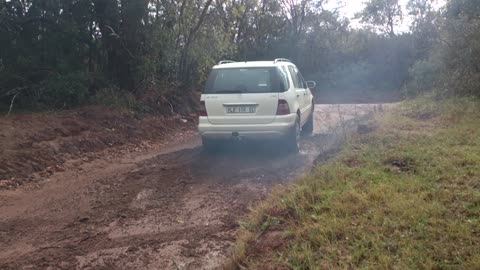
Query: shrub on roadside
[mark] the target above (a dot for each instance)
(424, 77)
(112, 96)
(65, 90)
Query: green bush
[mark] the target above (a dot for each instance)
(65, 91)
(452, 68)
(424, 76)
(112, 96)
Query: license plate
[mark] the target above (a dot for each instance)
(241, 109)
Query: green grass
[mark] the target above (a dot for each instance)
(406, 196)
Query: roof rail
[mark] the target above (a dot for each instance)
(281, 60)
(225, 62)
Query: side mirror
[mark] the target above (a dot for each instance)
(311, 84)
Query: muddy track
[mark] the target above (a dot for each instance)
(175, 207)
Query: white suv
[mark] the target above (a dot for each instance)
(256, 100)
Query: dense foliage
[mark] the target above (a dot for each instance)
(450, 46)
(64, 53)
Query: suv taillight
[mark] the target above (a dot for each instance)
(202, 111)
(283, 108)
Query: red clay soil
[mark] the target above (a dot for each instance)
(36, 145)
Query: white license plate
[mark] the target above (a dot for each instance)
(241, 109)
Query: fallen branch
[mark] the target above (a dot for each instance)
(169, 103)
(11, 103)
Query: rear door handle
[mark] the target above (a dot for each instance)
(298, 96)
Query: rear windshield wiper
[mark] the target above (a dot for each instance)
(229, 91)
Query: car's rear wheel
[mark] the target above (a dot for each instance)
(293, 139)
(308, 127)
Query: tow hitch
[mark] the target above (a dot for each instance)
(236, 136)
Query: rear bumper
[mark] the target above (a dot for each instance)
(279, 128)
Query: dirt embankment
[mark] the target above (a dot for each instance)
(35, 146)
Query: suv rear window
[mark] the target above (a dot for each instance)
(246, 80)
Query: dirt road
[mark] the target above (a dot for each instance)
(167, 207)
